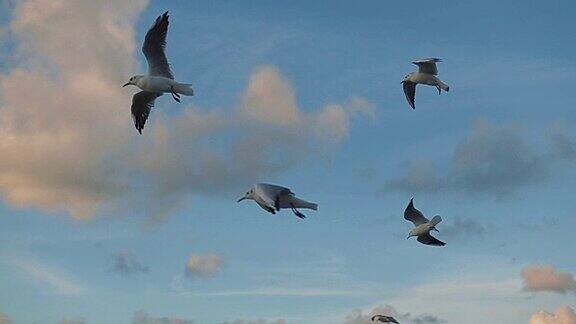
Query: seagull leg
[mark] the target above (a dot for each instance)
(439, 89)
(296, 212)
(436, 229)
(175, 95)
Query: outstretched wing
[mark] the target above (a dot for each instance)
(430, 240)
(153, 48)
(410, 92)
(384, 319)
(142, 102)
(428, 65)
(270, 193)
(414, 215)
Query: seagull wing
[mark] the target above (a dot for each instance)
(430, 240)
(142, 102)
(271, 193)
(392, 320)
(153, 48)
(410, 92)
(414, 215)
(428, 65)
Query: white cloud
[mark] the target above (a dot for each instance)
(68, 143)
(203, 265)
(546, 278)
(563, 315)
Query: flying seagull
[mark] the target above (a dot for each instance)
(384, 319)
(160, 79)
(423, 226)
(427, 74)
(272, 198)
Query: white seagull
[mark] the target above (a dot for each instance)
(427, 74)
(384, 319)
(160, 79)
(272, 198)
(423, 226)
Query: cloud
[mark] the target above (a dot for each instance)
(141, 317)
(126, 263)
(563, 315)
(60, 284)
(4, 319)
(546, 278)
(203, 266)
(72, 321)
(256, 321)
(69, 145)
(463, 227)
(358, 317)
(493, 159)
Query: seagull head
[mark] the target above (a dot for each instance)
(406, 78)
(411, 234)
(133, 80)
(249, 195)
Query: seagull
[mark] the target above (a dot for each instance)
(427, 74)
(423, 226)
(384, 319)
(272, 198)
(160, 79)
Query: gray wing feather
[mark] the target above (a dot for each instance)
(270, 193)
(430, 240)
(414, 215)
(154, 46)
(428, 65)
(142, 103)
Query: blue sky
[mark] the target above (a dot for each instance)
(494, 156)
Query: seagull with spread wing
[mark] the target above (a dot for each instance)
(423, 226)
(272, 198)
(160, 79)
(426, 74)
(384, 319)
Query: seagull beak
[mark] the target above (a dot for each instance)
(239, 200)
(127, 84)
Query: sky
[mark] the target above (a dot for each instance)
(99, 224)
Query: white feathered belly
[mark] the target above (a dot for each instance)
(158, 84)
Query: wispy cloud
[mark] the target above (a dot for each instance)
(59, 283)
(494, 160)
(126, 263)
(141, 317)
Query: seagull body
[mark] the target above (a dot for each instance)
(426, 74)
(422, 226)
(272, 198)
(160, 79)
(384, 319)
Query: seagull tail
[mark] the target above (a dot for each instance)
(300, 203)
(184, 89)
(435, 220)
(444, 86)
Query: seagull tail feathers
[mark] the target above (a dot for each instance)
(444, 86)
(435, 220)
(184, 89)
